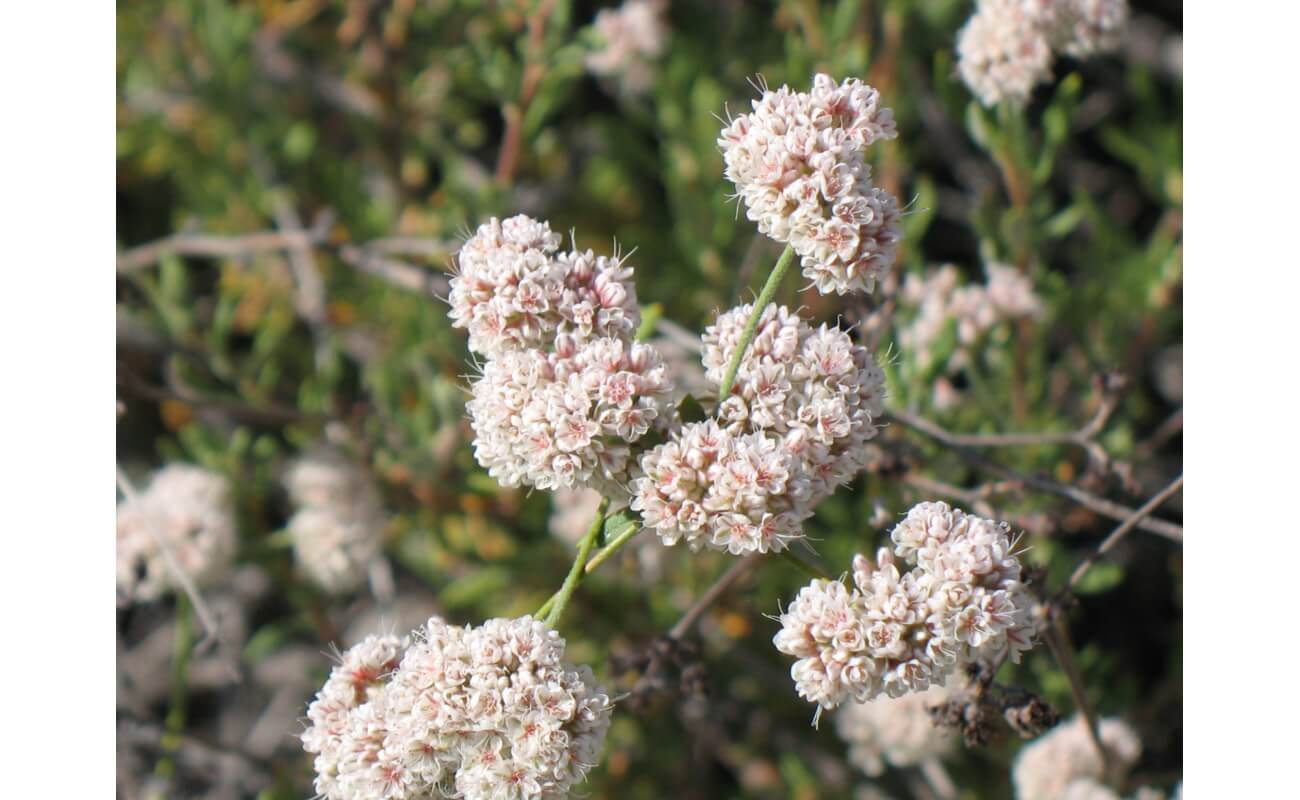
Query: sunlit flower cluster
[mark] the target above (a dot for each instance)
(904, 631)
(632, 37)
(798, 163)
(568, 418)
(710, 487)
(813, 387)
(1007, 47)
(941, 300)
(1065, 763)
(514, 290)
(897, 731)
(337, 531)
(476, 712)
(184, 512)
(793, 429)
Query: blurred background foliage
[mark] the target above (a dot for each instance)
(384, 131)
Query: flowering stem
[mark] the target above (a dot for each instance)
(751, 327)
(615, 544)
(599, 557)
(554, 607)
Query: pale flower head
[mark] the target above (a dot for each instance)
(948, 593)
(337, 532)
(1065, 760)
(568, 419)
(480, 713)
(185, 510)
(632, 37)
(798, 162)
(514, 290)
(1008, 46)
(894, 731)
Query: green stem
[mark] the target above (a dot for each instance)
(182, 648)
(600, 557)
(556, 604)
(751, 327)
(624, 536)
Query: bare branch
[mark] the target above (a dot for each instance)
(719, 588)
(211, 246)
(1126, 526)
(1059, 643)
(398, 273)
(367, 257)
(1100, 505)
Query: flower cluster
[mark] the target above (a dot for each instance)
(941, 299)
(812, 387)
(793, 429)
(565, 391)
(186, 512)
(632, 37)
(798, 163)
(898, 632)
(1065, 761)
(710, 487)
(338, 529)
(567, 419)
(477, 712)
(898, 731)
(1007, 46)
(515, 291)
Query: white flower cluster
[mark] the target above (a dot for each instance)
(1064, 762)
(188, 508)
(1007, 46)
(338, 529)
(898, 731)
(794, 428)
(633, 36)
(567, 419)
(798, 162)
(813, 387)
(941, 299)
(486, 712)
(514, 290)
(899, 632)
(710, 487)
(565, 391)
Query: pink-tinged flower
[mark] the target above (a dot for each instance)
(484, 712)
(799, 165)
(949, 592)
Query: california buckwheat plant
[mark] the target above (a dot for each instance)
(899, 631)
(1007, 47)
(613, 436)
(515, 291)
(894, 731)
(338, 529)
(1064, 763)
(485, 712)
(798, 164)
(184, 515)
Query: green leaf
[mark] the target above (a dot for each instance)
(1100, 578)
(617, 524)
(691, 410)
(649, 317)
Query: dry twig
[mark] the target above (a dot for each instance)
(1090, 501)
